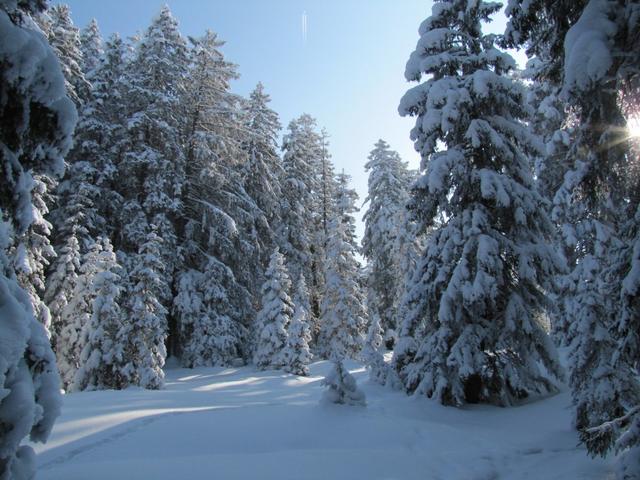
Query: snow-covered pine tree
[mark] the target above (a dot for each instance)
(627, 440)
(219, 232)
(322, 212)
(327, 188)
(38, 121)
(540, 26)
(388, 195)
(341, 387)
(64, 38)
(263, 170)
(604, 385)
(473, 331)
(552, 124)
(589, 50)
(207, 306)
(102, 362)
(103, 128)
(371, 351)
(302, 149)
(91, 46)
(275, 315)
(33, 251)
(142, 336)
(61, 284)
(409, 245)
(296, 354)
(151, 174)
(74, 317)
(76, 213)
(343, 315)
(85, 196)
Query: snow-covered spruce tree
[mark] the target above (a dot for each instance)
(102, 362)
(38, 121)
(388, 195)
(296, 355)
(275, 316)
(91, 46)
(302, 150)
(595, 62)
(143, 335)
(206, 305)
(61, 284)
(263, 170)
(623, 433)
(409, 245)
(343, 315)
(64, 38)
(76, 307)
(323, 212)
(371, 351)
(604, 381)
(540, 26)
(220, 239)
(85, 196)
(473, 331)
(33, 251)
(151, 173)
(326, 190)
(76, 213)
(103, 131)
(341, 387)
(552, 124)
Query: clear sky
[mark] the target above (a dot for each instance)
(341, 61)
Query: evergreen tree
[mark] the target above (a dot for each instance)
(102, 361)
(33, 251)
(296, 355)
(343, 316)
(86, 196)
(275, 316)
(64, 38)
(588, 49)
(342, 387)
(207, 307)
(388, 195)
(104, 134)
(74, 317)
(85, 200)
(38, 122)
(326, 191)
(371, 355)
(263, 170)
(323, 210)
(473, 330)
(151, 174)
(144, 334)
(61, 284)
(302, 149)
(409, 245)
(219, 218)
(91, 46)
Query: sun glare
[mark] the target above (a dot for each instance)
(633, 125)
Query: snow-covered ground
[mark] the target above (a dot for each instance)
(239, 423)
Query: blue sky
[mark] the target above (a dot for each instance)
(347, 73)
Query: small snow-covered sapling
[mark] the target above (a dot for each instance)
(341, 387)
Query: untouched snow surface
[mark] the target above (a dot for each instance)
(240, 423)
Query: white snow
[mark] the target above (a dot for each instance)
(229, 423)
(587, 47)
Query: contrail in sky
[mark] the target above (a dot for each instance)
(304, 27)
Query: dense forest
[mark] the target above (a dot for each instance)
(149, 213)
